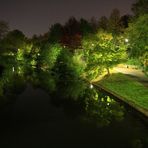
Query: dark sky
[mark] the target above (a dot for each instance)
(35, 16)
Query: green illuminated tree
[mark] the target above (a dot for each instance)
(69, 66)
(49, 56)
(138, 43)
(28, 55)
(91, 57)
(103, 51)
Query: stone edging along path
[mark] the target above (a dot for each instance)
(137, 108)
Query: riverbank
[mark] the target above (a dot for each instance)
(127, 89)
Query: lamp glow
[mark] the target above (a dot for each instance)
(126, 40)
(91, 86)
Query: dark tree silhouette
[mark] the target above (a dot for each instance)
(140, 7)
(103, 23)
(72, 34)
(72, 27)
(55, 33)
(124, 20)
(114, 22)
(85, 27)
(94, 24)
(14, 39)
(4, 28)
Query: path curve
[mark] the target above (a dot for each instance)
(132, 72)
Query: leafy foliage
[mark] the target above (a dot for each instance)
(69, 66)
(115, 26)
(138, 43)
(103, 51)
(138, 37)
(49, 55)
(140, 7)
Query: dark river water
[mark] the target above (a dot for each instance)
(69, 114)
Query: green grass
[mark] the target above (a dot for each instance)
(128, 88)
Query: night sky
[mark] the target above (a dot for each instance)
(35, 16)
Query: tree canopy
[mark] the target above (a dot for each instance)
(140, 7)
(4, 28)
(138, 39)
(137, 34)
(103, 51)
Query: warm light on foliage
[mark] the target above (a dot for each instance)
(106, 52)
(138, 40)
(20, 55)
(49, 55)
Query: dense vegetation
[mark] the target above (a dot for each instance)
(64, 60)
(81, 48)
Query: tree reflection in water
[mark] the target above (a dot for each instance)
(72, 99)
(73, 95)
(90, 104)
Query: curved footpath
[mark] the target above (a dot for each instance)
(136, 75)
(132, 72)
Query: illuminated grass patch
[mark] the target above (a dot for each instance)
(133, 91)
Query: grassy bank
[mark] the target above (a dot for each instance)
(131, 90)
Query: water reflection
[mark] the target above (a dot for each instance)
(66, 105)
(90, 105)
(74, 96)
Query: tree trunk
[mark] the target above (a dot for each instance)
(108, 72)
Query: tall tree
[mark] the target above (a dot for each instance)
(85, 27)
(114, 22)
(4, 28)
(72, 34)
(15, 39)
(72, 26)
(49, 55)
(138, 39)
(103, 23)
(94, 24)
(55, 33)
(124, 20)
(103, 51)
